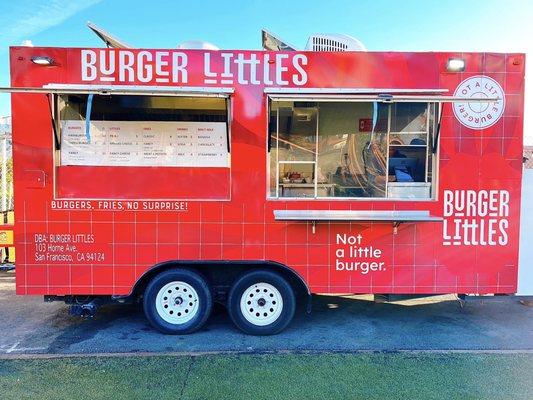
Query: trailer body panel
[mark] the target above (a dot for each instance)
(95, 229)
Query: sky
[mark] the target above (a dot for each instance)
(382, 25)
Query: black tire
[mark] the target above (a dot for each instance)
(244, 283)
(202, 305)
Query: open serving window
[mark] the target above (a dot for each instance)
(340, 146)
(149, 146)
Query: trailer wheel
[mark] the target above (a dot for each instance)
(177, 301)
(261, 303)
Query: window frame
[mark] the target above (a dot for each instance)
(434, 102)
(56, 90)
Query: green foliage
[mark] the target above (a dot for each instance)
(9, 177)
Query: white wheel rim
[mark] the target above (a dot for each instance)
(177, 302)
(261, 304)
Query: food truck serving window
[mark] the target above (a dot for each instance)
(128, 130)
(352, 149)
(130, 146)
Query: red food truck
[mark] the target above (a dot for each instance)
(179, 178)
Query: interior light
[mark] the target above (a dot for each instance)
(455, 65)
(42, 60)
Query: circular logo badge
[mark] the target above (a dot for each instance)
(480, 115)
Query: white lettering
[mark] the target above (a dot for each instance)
(144, 70)
(448, 204)
(161, 65)
(280, 69)
(179, 65)
(88, 68)
(476, 217)
(240, 61)
(298, 61)
(126, 60)
(254, 62)
(107, 68)
(266, 70)
(227, 65)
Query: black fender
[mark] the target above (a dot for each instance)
(231, 270)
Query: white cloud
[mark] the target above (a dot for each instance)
(23, 18)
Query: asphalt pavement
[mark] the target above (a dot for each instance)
(346, 324)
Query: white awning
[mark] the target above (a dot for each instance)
(382, 95)
(356, 215)
(185, 91)
(285, 90)
(382, 99)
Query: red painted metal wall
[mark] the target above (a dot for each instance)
(115, 243)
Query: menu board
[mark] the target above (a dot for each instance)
(145, 143)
